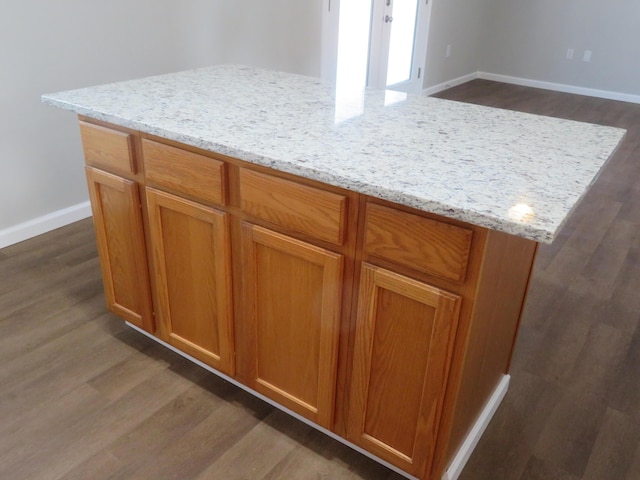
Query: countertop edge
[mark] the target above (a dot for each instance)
(478, 218)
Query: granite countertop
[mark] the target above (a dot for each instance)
(508, 171)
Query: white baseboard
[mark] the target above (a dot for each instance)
(449, 84)
(470, 443)
(560, 87)
(526, 82)
(44, 224)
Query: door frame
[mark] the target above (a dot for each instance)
(329, 50)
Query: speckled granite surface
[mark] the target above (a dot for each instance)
(508, 171)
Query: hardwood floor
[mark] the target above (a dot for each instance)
(573, 409)
(85, 397)
(82, 396)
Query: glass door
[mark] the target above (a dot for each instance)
(380, 43)
(393, 40)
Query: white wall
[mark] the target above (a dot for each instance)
(461, 24)
(48, 46)
(529, 39)
(526, 39)
(281, 34)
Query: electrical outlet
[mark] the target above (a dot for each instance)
(570, 54)
(447, 53)
(587, 56)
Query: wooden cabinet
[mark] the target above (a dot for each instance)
(389, 326)
(190, 242)
(404, 339)
(293, 292)
(117, 220)
(192, 267)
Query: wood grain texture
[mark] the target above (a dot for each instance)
(181, 171)
(108, 148)
(294, 293)
(417, 242)
(115, 203)
(302, 208)
(466, 290)
(192, 268)
(502, 287)
(404, 340)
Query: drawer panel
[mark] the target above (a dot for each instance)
(420, 243)
(298, 207)
(109, 149)
(183, 171)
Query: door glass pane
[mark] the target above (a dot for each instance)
(353, 58)
(353, 43)
(401, 44)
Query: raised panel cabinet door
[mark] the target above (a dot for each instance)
(192, 272)
(404, 338)
(294, 292)
(117, 219)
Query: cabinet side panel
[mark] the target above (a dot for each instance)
(501, 294)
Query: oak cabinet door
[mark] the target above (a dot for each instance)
(192, 273)
(117, 218)
(293, 292)
(404, 337)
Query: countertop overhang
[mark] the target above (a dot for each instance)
(513, 172)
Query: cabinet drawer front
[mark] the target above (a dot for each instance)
(183, 171)
(107, 148)
(298, 207)
(420, 243)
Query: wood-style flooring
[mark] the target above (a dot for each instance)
(573, 408)
(82, 396)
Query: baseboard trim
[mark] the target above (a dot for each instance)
(44, 224)
(275, 404)
(560, 87)
(527, 82)
(449, 84)
(470, 443)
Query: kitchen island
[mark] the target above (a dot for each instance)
(359, 258)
